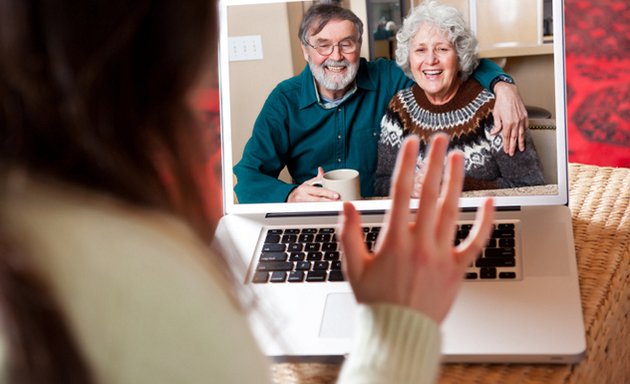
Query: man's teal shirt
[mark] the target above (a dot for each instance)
(294, 130)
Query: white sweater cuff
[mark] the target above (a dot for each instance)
(392, 344)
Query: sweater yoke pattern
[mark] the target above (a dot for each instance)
(462, 119)
(467, 120)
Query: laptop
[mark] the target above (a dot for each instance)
(525, 311)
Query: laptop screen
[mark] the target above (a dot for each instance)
(260, 47)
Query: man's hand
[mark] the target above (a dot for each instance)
(415, 263)
(308, 191)
(510, 116)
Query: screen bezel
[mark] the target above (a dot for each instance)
(230, 205)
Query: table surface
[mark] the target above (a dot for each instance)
(599, 198)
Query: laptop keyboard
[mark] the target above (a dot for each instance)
(313, 254)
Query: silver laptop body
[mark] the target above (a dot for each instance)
(536, 318)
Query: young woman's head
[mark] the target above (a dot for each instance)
(97, 93)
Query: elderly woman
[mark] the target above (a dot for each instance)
(439, 52)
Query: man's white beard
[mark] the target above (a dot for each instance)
(326, 81)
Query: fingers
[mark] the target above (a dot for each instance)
(521, 133)
(402, 183)
(318, 193)
(313, 180)
(431, 185)
(508, 141)
(511, 141)
(309, 193)
(321, 193)
(498, 126)
(451, 191)
(470, 248)
(514, 136)
(352, 244)
(510, 116)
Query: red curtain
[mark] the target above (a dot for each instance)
(598, 81)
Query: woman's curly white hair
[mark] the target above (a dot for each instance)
(448, 20)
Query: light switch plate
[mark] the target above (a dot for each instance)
(244, 48)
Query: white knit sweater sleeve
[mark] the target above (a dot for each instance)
(392, 344)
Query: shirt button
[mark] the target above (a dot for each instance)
(338, 137)
(339, 159)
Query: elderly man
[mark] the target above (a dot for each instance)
(328, 117)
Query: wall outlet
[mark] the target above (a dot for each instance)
(244, 48)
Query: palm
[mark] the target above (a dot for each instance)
(415, 263)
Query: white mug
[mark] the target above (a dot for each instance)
(343, 181)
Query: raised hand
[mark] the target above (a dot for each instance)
(415, 263)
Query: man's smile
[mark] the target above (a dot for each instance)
(336, 68)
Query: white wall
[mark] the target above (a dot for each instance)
(252, 81)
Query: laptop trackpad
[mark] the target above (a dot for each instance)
(338, 319)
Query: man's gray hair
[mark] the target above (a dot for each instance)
(317, 16)
(449, 21)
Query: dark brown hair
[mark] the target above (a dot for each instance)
(97, 94)
(318, 15)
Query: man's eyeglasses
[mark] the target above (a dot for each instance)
(326, 49)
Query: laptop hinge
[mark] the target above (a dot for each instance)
(498, 209)
(273, 215)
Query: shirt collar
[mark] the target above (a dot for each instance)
(309, 94)
(330, 104)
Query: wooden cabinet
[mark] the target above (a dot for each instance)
(506, 28)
